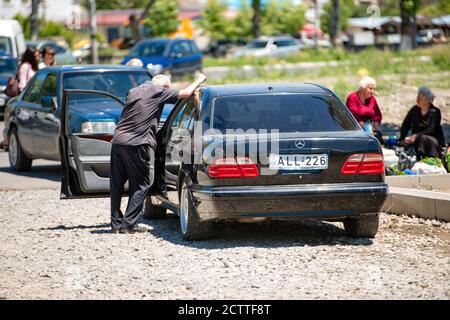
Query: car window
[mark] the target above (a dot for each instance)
(186, 49)
(49, 87)
(33, 92)
(187, 115)
(176, 48)
(177, 118)
(286, 113)
(5, 45)
(193, 46)
(257, 44)
(284, 43)
(116, 83)
(150, 49)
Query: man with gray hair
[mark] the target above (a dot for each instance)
(134, 143)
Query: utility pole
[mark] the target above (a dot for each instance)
(93, 31)
(316, 24)
(34, 20)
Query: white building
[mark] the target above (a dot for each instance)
(59, 11)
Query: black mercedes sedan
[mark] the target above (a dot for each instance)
(250, 152)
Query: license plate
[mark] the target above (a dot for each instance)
(298, 161)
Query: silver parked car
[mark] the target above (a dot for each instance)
(269, 47)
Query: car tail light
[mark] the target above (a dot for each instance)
(351, 166)
(372, 164)
(238, 167)
(369, 163)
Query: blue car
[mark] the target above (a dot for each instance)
(34, 128)
(175, 57)
(8, 68)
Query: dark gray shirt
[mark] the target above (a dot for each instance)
(141, 114)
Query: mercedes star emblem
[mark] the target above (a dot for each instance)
(300, 143)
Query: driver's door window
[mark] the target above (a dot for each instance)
(33, 92)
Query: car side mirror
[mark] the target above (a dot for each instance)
(49, 102)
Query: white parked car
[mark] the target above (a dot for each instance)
(269, 47)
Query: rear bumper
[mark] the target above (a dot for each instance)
(321, 202)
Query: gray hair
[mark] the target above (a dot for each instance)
(426, 93)
(367, 81)
(135, 62)
(161, 80)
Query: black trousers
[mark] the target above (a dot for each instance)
(427, 146)
(132, 164)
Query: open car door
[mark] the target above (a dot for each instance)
(86, 149)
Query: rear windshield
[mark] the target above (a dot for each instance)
(116, 83)
(283, 112)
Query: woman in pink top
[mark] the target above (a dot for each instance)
(28, 67)
(364, 107)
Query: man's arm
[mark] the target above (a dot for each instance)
(188, 91)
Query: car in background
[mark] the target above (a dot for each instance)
(34, 126)
(8, 69)
(63, 55)
(174, 57)
(12, 41)
(83, 54)
(269, 47)
(319, 165)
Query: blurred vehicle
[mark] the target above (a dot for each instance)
(269, 47)
(34, 127)
(83, 54)
(223, 47)
(174, 57)
(430, 36)
(8, 69)
(12, 41)
(63, 56)
(307, 35)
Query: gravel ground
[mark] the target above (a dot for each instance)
(53, 249)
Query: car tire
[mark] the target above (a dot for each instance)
(18, 160)
(191, 226)
(365, 226)
(152, 211)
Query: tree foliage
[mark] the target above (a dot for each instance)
(162, 18)
(283, 17)
(213, 22)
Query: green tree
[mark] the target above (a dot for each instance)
(346, 10)
(242, 26)
(162, 18)
(283, 17)
(213, 22)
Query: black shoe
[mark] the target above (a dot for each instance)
(135, 229)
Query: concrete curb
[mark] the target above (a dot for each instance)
(427, 204)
